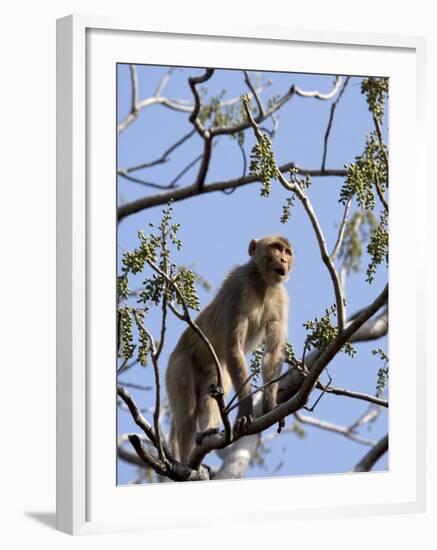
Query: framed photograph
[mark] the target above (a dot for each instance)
(233, 208)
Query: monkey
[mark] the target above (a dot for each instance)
(250, 307)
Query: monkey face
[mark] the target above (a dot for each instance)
(273, 257)
(280, 258)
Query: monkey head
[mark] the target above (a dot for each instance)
(273, 256)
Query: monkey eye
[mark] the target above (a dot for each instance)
(288, 252)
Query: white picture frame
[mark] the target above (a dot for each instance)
(80, 488)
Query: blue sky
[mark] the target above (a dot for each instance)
(216, 229)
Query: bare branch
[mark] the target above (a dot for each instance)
(174, 104)
(318, 95)
(135, 107)
(162, 159)
(258, 90)
(173, 470)
(354, 395)
(368, 416)
(330, 121)
(292, 380)
(244, 125)
(341, 230)
(186, 192)
(138, 418)
(126, 455)
(204, 165)
(163, 82)
(331, 427)
(193, 81)
(370, 459)
(151, 184)
(372, 329)
(380, 192)
(155, 355)
(255, 94)
(381, 140)
(134, 386)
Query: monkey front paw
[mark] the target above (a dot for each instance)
(242, 424)
(201, 435)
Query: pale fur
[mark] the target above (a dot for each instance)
(250, 307)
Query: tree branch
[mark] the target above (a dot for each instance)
(188, 191)
(372, 329)
(370, 459)
(255, 94)
(193, 81)
(139, 419)
(330, 121)
(330, 427)
(318, 95)
(135, 107)
(341, 230)
(162, 159)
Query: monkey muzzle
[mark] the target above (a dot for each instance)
(280, 271)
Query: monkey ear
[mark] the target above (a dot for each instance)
(252, 246)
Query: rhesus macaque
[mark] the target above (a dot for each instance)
(250, 308)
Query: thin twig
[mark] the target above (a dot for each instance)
(134, 386)
(322, 393)
(253, 392)
(155, 356)
(330, 121)
(145, 183)
(341, 230)
(381, 141)
(380, 192)
(259, 104)
(354, 395)
(163, 82)
(368, 416)
(237, 393)
(163, 158)
(243, 154)
(329, 426)
(261, 116)
(135, 107)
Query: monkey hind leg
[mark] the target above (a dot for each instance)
(208, 414)
(183, 403)
(185, 430)
(208, 411)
